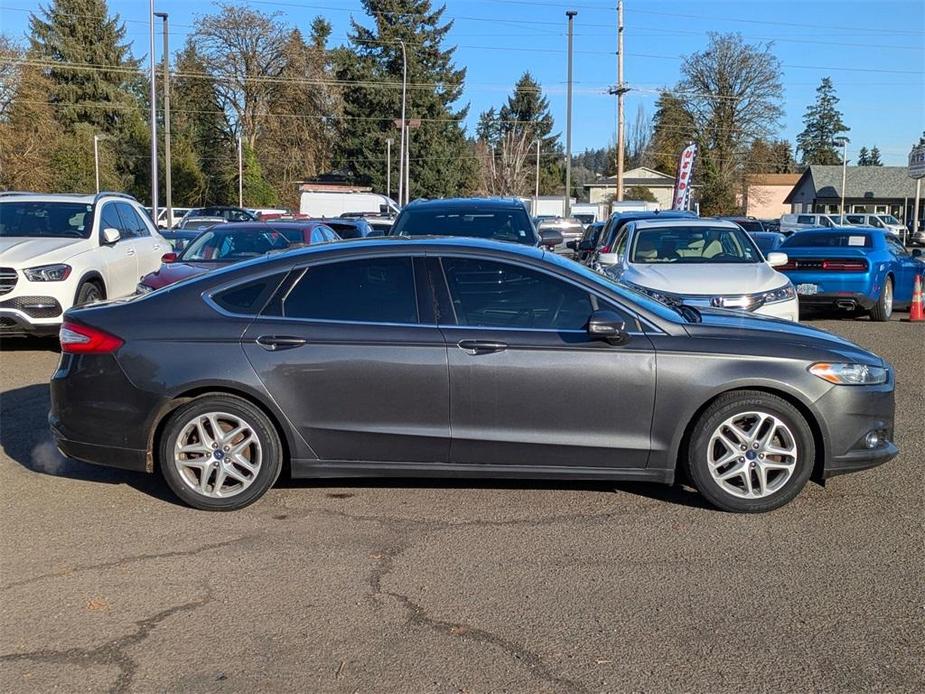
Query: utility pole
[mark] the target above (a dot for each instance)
(167, 185)
(568, 120)
(536, 195)
(240, 173)
(844, 174)
(153, 96)
(621, 90)
(402, 153)
(388, 167)
(96, 160)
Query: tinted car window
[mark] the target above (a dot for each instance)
(499, 295)
(379, 290)
(508, 224)
(248, 298)
(132, 225)
(347, 231)
(110, 219)
(806, 219)
(46, 219)
(828, 240)
(231, 246)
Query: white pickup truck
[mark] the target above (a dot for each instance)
(58, 251)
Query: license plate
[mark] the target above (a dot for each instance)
(807, 289)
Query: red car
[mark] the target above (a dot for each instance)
(233, 243)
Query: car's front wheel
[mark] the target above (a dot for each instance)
(750, 452)
(88, 293)
(219, 453)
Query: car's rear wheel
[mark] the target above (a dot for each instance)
(219, 453)
(750, 452)
(883, 309)
(88, 293)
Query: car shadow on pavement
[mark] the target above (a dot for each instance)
(30, 344)
(26, 440)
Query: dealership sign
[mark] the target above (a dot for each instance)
(682, 185)
(917, 162)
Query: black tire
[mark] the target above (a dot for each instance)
(88, 293)
(259, 424)
(727, 406)
(881, 311)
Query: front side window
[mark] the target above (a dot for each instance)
(132, 226)
(110, 219)
(510, 224)
(499, 295)
(368, 290)
(46, 219)
(693, 245)
(806, 219)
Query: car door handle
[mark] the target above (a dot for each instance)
(481, 346)
(130, 251)
(274, 343)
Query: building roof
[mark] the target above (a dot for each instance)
(640, 176)
(874, 182)
(773, 179)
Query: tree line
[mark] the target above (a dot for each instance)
(302, 108)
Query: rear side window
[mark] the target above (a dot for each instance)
(248, 298)
(806, 219)
(347, 231)
(367, 290)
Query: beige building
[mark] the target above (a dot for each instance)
(661, 185)
(765, 194)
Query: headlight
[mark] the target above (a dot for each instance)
(47, 273)
(143, 289)
(849, 374)
(785, 293)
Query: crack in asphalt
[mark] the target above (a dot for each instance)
(417, 616)
(122, 561)
(111, 652)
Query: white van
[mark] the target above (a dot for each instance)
(879, 221)
(790, 223)
(317, 204)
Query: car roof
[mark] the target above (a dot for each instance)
(687, 222)
(653, 214)
(477, 203)
(88, 199)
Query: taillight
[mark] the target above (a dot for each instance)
(77, 338)
(789, 265)
(605, 249)
(845, 265)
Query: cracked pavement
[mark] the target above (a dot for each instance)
(109, 585)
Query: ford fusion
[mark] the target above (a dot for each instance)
(458, 358)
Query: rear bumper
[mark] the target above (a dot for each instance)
(107, 456)
(842, 300)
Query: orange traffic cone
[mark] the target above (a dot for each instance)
(917, 310)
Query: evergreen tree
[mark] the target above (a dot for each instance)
(256, 190)
(822, 124)
(863, 157)
(770, 157)
(441, 158)
(875, 157)
(672, 130)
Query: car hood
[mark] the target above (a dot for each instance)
(170, 273)
(705, 278)
(21, 250)
(808, 342)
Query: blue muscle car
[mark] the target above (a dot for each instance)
(858, 269)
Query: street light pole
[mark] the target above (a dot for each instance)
(153, 97)
(844, 175)
(388, 167)
(240, 173)
(96, 160)
(167, 173)
(536, 195)
(402, 153)
(568, 120)
(621, 90)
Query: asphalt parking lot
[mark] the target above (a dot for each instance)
(108, 584)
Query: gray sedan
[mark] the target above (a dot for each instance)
(458, 358)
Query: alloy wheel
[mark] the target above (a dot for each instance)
(218, 455)
(752, 455)
(888, 298)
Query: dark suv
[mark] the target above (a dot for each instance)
(591, 250)
(496, 219)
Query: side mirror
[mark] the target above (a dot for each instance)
(550, 238)
(111, 236)
(776, 259)
(607, 325)
(572, 245)
(916, 252)
(586, 245)
(169, 258)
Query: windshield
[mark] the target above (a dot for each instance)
(828, 240)
(686, 245)
(232, 246)
(61, 220)
(500, 225)
(766, 242)
(889, 219)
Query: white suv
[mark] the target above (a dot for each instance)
(58, 251)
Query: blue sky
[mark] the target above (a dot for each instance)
(874, 50)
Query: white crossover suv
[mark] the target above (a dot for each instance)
(58, 251)
(705, 263)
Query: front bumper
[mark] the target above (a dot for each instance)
(17, 323)
(848, 414)
(787, 310)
